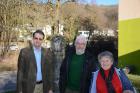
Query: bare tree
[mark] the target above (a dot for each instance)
(9, 16)
(112, 18)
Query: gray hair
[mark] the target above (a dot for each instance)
(106, 54)
(81, 38)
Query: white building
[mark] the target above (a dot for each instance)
(84, 33)
(108, 32)
(48, 30)
(61, 28)
(111, 32)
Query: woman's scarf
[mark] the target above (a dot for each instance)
(108, 79)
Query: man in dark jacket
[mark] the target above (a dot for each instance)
(76, 69)
(34, 67)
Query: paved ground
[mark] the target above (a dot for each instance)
(7, 81)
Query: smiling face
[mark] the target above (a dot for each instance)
(80, 44)
(106, 62)
(80, 47)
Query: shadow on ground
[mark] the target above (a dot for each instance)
(132, 60)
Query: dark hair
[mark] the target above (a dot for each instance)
(40, 32)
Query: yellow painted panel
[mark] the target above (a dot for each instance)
(129, 36)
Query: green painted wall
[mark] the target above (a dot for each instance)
(129, 43)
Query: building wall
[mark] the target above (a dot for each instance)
(129, 34)
(129, 9)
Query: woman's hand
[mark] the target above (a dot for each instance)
(128, 91)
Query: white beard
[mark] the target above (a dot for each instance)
(80, 51)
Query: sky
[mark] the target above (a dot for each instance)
(106, 2)
(98, 2)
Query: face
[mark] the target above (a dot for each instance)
(106, 62)
(80, 47)
(37, 40)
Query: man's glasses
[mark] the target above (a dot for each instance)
(38, 38)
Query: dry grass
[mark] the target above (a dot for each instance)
(9, 63)
(135, 80)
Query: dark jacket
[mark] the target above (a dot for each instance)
(88, 67)
(27, 70)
